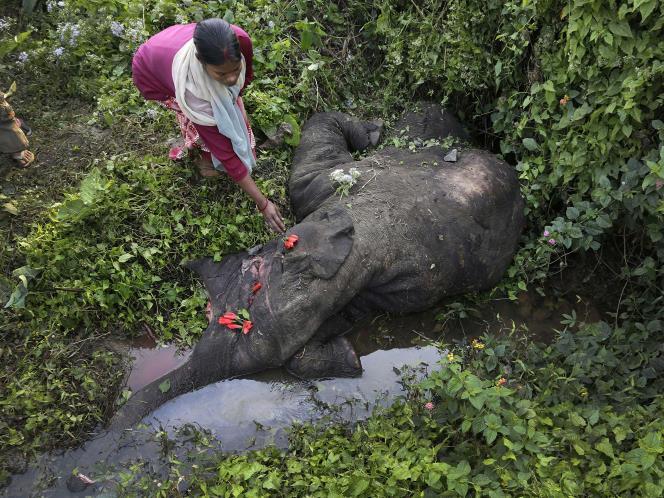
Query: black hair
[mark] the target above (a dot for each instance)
(216, 42)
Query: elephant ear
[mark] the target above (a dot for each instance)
(216, 276)
(325, 239)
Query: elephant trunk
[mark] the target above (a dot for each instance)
(146, 399)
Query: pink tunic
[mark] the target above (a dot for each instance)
(151, 71)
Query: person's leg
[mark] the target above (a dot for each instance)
(13, 141)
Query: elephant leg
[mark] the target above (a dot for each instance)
(429, 121)
(327, 142)
(317, 359)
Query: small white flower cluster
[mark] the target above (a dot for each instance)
(51, 5)
(58, 52)
(117, 28)
(22, 57)
(5, 23)
(69, 33)
(135, 31)
(345, 180)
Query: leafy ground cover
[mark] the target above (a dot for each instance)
(569, 92)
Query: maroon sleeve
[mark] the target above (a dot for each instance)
(220, 146)
(247, 50)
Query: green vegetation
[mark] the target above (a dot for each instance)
(569, 92)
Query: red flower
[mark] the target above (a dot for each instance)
(234, 322)
(227, 318)
(256, 287)
(290, 242)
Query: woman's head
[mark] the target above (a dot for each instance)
(218, 48)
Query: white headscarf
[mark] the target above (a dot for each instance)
(189, 76)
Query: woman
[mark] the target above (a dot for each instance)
(199, 71)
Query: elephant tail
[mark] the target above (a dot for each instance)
(149, 398)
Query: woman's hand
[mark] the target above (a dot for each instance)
(273, 217)
(266, 207)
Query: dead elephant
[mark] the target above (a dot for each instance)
(412, 230)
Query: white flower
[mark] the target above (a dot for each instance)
(59, 51)
(69, 33)
(270, 24)
(151, 113)
(4, 23)
(23, 57)
(337, 174)
(117, 28)
(135, 31)
(61, 4)
(354, 172)
(347, 179)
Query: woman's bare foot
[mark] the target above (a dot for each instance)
(24, 158)
(205, 168)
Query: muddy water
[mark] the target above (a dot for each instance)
(253, 412)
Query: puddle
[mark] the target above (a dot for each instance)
(151, 362)
(253, 412)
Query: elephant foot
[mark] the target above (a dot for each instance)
(335, 358)
(375, 130)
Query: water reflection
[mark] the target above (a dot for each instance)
(249, 413)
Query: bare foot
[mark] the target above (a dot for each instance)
(24, 158)
(205, 168)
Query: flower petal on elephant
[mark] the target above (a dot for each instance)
(290, 242)
(234, 326)
(256, 287)
(246, 326)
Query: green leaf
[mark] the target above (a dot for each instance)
(125, 257)
(70, 209)
(645, 7)
(17, 298)
(604, 446)
(294, 138)
(358, 486)
(91, 186)
(530, 144)
(8, 46)
(10, 207)
(582, 112)
(620, 29)
(11, 91)
(165, 386)
(572, 213)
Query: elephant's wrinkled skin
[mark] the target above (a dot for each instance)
(413, 230)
